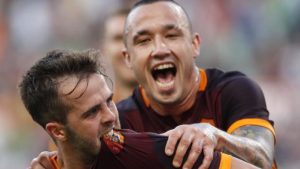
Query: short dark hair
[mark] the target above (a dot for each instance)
(145, 2)
(39, 86)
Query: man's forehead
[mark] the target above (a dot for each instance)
(66, 84)
(165, 8)
(156, 5)
(74, 86)
(82, 93)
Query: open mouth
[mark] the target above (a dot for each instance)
(164, 75)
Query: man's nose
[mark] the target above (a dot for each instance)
(160, 48)
(108, 116)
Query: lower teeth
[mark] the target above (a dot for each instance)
(164, 84)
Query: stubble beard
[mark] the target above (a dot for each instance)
(85, 149)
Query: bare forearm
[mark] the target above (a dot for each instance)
(252, 144)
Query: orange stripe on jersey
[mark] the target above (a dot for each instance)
(210, 121)
(251, 121)
(145, 98)
(54, 162)
(203, 80)
(225, 161)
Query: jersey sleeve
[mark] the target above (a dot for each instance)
(167, 160)
(243, 103)
(130, 113)
(132, 150)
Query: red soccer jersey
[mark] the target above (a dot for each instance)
(126, 149)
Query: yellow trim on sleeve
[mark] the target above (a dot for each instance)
(225, 162)
(251, 121)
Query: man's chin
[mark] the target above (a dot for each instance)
(166, 98)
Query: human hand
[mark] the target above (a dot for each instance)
(42, 161)
(201, 137)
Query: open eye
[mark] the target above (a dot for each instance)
(92, 112)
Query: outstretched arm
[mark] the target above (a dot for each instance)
(253, 144)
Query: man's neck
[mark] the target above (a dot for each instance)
(68, 158)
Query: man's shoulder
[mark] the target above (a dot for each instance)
(126, 104)
(130, 111)
(217, 77)
(130, 103)
(214, 73)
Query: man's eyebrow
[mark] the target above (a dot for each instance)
(171, 26)
(168, 27)
(143, 32)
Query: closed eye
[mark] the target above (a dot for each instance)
(143, 41)
(172, 36)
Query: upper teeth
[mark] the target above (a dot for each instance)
(164, 66)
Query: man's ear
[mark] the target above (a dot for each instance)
(126, 57)
(56, 131)
(196, 44)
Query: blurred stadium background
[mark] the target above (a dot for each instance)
(258, 37)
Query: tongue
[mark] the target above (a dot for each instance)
(165, 77)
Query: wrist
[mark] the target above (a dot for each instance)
(220, 139)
